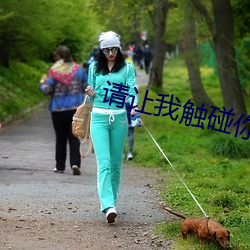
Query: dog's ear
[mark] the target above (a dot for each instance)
(214, 235)
(228, 237)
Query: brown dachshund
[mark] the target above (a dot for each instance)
(204, 229)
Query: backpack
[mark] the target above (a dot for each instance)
(81, 125)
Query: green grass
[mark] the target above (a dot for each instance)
(214, 166)
(19, 88)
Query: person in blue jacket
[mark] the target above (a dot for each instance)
(131, 130)
(65, 83)
(109, 124)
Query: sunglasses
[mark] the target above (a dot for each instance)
(106, 51)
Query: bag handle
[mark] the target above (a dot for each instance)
(91, 148)
(85, 139)
(85, 99)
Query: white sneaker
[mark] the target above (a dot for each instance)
(130, 156)
(111, 214)
(58, 171)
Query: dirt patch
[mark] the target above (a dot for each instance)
(51, 234)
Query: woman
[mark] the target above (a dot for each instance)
(109, 123)
(65, 83)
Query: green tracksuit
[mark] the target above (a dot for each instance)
(109, 131)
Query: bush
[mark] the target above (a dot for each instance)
(224, 200)
(19, 88)
(230, 147)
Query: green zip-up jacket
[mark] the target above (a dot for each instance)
(104, 87)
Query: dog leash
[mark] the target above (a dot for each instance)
(174, 170)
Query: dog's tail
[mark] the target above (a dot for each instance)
(175, 213)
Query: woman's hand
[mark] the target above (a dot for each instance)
(90, 91)
(133, 111)
(43, 79)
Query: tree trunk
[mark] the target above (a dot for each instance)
(159, 46)
(223, 38)
(193, 63)
(226, 59)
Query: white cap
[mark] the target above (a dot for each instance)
(109, 39)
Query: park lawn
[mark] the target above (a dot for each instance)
(215, 166)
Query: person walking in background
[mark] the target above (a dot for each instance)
(65, 84)
(130, 134)
(92, 57)
(130, 128)
(128, 59)
(109, 125)
(138, 52)
(147, 54)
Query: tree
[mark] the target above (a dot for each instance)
(193, 61)
(159, 44)
(242, 33)
(128, 17)
(223, 38)
(28, 33)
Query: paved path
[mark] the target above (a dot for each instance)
(26, 163)
(31, 193)
(27, 160)
(141, 78)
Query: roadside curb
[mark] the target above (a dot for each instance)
(12, 118)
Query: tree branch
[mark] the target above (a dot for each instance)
(172, 5)
(202, 9)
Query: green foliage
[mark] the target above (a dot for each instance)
(243, 59)
(224, 200)
(29, 33)
(19, 87)
(170, 230)
(175, 25)
(128, 18)
(241, 17)
(231, 147)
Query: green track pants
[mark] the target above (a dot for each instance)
(108, 135)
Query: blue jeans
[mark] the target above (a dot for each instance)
(108, 139)
(131, 139)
